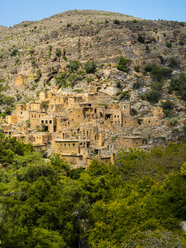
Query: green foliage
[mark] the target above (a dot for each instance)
(147, 49)
(61, 79)
(173, 63)
(152, 96)
(178, 84)
(124, 95)
(122, 64)
(141, 38)
(7, 102)
(181, 24)
(149, 67)
(47, 204)
(167, 107)
(74, 65)
(14, 52)
(160, 73)
(137, 68)
(58, 52)
(44, 105)
(37, 76)
(168, 44)
(49, 51)
(162, 59)
(89, 79)
(137, 84)
(90, 67)
(181, 43)
(116, 22)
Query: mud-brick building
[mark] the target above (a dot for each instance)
(48, 123)
(74, 151)
(39, 138)
(22, 112)
(35, 119)
(11, 119)
(130, 142)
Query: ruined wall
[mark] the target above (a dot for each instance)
(11, 119)
(150, 121)
(130, 142)
(66, 147)
(129, 121)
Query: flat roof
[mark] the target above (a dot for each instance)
(69, 140)
(132, 137)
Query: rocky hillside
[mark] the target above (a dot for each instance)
(129, 59)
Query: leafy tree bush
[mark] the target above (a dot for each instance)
(137, 85)
(124, 95)
(149, 67)
(158, 73)
(153, 96)
(147, 49)
(44, 105)
(74, 65)
(167, 107)
(162, 59)
(118, 84)
(168, 44)
(14, 52)
(122, 64)
(137, 68)
(178, 84)
(116, 22)
(37, 76)
(90, 67)
(141, 38)
(49, 51)
(58, 52)
(173, 63)
(89, 79)
(46, 204)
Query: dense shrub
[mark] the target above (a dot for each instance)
(149, 67)
(178, 84)
(122, 64)
(153, 96)
(168, 44)
(137, 84)
(90, 67)
(116, 22)
(49, 51)
(167, 107)
(37, 76)
(141, 38)
(137, 68)
(14, 52)
(173, 63)
(74, 65)
(124, 96)
(158, 73)
(58, 52)
(162, 59)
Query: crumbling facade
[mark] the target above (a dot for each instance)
(80, 127)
